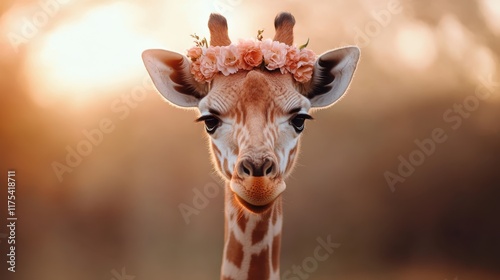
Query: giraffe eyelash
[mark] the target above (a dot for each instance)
(298, 122)
(211, 123)
(304, 116)
(206, 117)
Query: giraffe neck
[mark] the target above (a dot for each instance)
(252, 241)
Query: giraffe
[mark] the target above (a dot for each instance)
(254, 119)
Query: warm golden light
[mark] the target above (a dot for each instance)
(416, 46)
(491, 12)
(402, 173)
(81, 58)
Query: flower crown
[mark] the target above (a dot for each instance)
(249, 54)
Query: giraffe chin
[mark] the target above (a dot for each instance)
(257, 194)
(252, 208)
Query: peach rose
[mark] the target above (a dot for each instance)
(305, 66)
(227, 60)
(292, 57)
(306, 57)
(303, 74)
(250, 54)
(195, 70)
(274, 54)
(194, 53)
(208, 63)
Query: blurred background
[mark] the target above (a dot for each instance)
(103, 163)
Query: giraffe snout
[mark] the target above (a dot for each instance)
(251, 168)
(257, 182)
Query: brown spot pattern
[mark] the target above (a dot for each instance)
(259, 266)
(242, 222)
(260, 231)
(234, 251)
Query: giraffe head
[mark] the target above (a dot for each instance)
(254, 118)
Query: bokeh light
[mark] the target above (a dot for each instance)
(69, 66)
(416, 46)
(83, 57)
(491, 13)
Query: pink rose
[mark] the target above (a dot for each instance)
(292, 57)
(208, 63)
(194, 53)
(227, 60)
(250, 54)
(303, 74)
(195, 70)
(305, 66)
(306, 57)
(274, 54)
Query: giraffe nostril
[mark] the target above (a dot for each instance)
(246, 171)
(248, 168)
(268, 167)
(269, 170)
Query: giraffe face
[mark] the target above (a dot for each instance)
(254, 120)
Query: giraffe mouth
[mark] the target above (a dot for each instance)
(253, 208)
(257, 193)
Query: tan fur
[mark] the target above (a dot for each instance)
(218, 30)
(284, 23)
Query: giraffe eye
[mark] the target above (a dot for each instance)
(298, 122)
(211, 124)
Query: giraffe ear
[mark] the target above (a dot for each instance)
(172, 77)
(332, 74)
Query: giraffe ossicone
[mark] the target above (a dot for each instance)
(254, 117)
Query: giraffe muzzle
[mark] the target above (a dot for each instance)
(257, 183)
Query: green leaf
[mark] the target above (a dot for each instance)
(304, 45)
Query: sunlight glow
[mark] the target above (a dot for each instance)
(491, 12)
(98, 51)
(416, 46)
